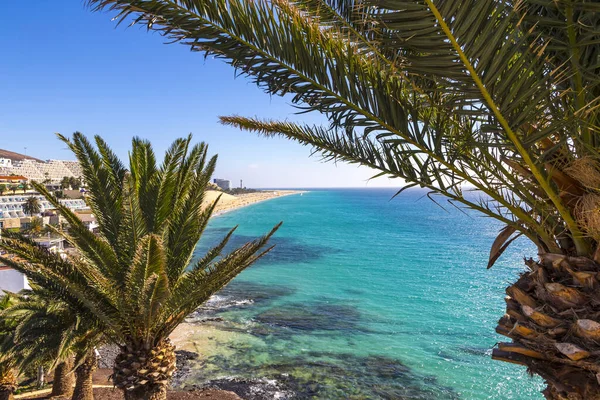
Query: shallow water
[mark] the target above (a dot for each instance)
(366, 297)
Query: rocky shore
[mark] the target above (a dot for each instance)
(225, 388)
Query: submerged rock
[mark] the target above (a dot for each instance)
(239, 295)
(318, 375)
(253, 389)
(313, 317)
(287, 249)
(184, 366)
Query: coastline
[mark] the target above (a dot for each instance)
(229, 202)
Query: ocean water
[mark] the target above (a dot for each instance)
(365, 297)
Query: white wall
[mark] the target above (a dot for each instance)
(12, 281)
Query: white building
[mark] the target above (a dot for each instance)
(5, 163)
(11, 280)
(224, 184)
(11, 206)
(37, 170)
(52, 170)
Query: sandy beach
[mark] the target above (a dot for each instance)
(229, 202)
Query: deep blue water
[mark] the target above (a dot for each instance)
(367, 297)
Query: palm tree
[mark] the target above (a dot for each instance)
(32, 206)
(74, 183)
(502, 97)
(49, 333)
(3, 188)
(65, 182)
(36, 226)
(135, 276)
(8, 379)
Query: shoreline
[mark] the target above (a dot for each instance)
(230, 203)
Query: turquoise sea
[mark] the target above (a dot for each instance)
(365, 297)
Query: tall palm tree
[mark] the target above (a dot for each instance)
(49, 333)
(32, 206)
(502, 97)
(135, 276)
(8, 379)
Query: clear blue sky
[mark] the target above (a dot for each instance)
(65, 69)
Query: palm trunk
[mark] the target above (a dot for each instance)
(41, 377)
(143, 374)
(83, 378)
(149, 393)
(8, 384)
(553, 318)
(62, 386)
(6, 393)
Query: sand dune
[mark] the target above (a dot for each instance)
(211, 195)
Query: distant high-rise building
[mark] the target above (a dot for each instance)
(224, 184)
(241, 186)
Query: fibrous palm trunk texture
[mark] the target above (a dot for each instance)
(8, 384)
(553, 318)
(144, 374)
(62, 386)
(83, 378)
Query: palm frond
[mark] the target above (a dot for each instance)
(451, 89)
(207, 277)
(128, 279)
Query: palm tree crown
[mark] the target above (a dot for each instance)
(135, 276)
(32, 206)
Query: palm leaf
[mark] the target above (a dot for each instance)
(133, 281)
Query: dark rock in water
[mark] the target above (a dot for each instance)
(253, 389)
(239, 295)
(184, 366)
(447, 356)
(184, 355)
(313, 317)
(324, 375)
(291, 250)
(354, 291)
(258, 293)
(385, 367)
(213, 319)
(287, 249)
(476, 351)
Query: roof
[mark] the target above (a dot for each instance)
(16, 156)
(85, 217)
(13, 177)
